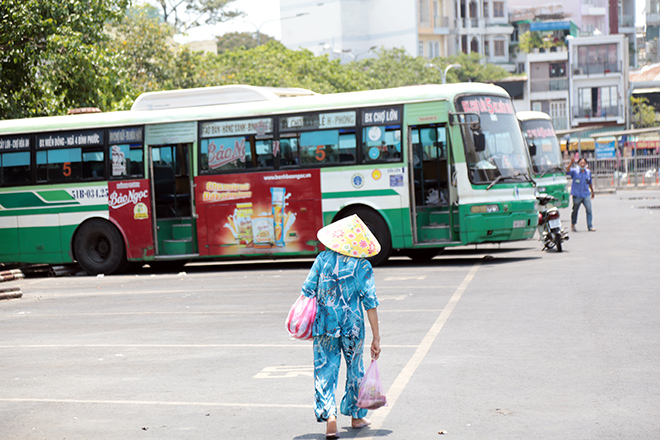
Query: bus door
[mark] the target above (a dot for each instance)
(170, 169)
(431, 198)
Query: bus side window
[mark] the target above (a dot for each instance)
(319, 147)
(63, 165)
(93, 165)
(381, 144)
(289, 155)
(127, 161)
(347, 147)
(226, 154)
(264, 156)
(15, 168)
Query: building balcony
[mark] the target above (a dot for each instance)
(597, 68)
(548, 85)
(605, 113)
(441, 22)
(627, 21)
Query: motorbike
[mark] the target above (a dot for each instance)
(550, 229)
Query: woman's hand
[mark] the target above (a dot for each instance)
(372, 314)
(375, 348)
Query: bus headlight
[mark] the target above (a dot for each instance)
(483, 209)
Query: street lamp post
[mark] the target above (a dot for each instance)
(443, 74)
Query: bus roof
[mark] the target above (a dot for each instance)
(394, 96)
(213, 96)
(529, 115)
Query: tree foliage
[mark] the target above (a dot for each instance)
(643, 114)
(241, 40)
(54, 57)
(100, 53)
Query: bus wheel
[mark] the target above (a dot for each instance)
(379, 228)
(99, 248)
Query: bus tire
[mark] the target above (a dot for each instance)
(378, 226)
(99, 248)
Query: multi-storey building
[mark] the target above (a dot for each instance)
(598, 80)
(349, 29)
(547, 85)
(429, 28)
(652, 30)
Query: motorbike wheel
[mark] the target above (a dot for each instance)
(558, 242)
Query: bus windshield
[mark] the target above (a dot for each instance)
(548, 155)
(504, 155)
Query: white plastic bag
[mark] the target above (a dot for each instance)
(370, 395)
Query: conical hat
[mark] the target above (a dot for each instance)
(349, 236)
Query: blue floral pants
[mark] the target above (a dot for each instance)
(327, 358)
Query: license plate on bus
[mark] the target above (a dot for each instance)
(519, 223)
(556, 223)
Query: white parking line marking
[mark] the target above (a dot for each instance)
(420, 277)
(153, 402)
(281, 372)
(393, 297)
(400, 383)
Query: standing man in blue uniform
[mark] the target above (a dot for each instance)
(582, 191)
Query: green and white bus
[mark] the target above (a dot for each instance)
(246, 172)
(545, 153)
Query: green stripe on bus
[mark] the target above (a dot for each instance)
(372, 193)
(52, 210)
(57, 196)
(20, 200)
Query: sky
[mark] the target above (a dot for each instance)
(262, 14)
(265, 14)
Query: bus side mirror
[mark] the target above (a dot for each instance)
(479, 141)
(532, 148)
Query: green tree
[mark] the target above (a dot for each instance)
(187, 14)
(643, 114)
(274, 65)
(54, 57)
(474, 69)
(240, 40)
(146, 47)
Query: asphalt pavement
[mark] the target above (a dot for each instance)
(488, 342)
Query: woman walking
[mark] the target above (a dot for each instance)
(342, 281)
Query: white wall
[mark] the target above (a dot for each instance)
(345, 24)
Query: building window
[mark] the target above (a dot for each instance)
(598, 58)
(498, 46)
(486, 10)
(487, 48)
(557, 70)
(420, 49)
(424, 16)
(434, 49)
(598, 102)
(498, 9)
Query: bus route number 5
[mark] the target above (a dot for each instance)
(66, 169)
(320, 153)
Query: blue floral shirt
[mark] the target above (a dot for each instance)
(341, 284)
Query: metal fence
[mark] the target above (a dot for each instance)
(625, 172)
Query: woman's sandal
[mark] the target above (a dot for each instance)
(364, 423)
